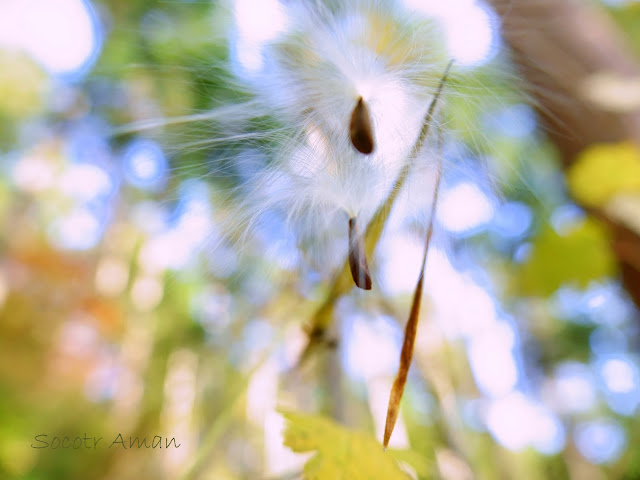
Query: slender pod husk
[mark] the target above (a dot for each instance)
(411, 328)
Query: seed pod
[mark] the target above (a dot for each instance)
(360, 128)
(412, 324)
(358, 258)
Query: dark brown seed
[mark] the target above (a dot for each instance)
(358, 258)
(360, 128)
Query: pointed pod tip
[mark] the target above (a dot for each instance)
(361, 277)
(357, 258)
(386, 438)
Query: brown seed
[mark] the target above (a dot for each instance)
(358, 258)
(360, 128)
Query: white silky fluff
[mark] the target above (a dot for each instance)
(310, 78)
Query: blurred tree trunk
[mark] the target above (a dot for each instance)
(558, 45)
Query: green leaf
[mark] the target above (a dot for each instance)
(575, 258)
(603, 171)
(344, 454)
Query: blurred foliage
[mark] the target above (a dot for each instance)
(576, 257)
(23, 86)
(627, 16)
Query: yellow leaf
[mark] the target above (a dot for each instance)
(603, 171)
(343, 454)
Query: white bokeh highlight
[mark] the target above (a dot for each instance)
(61, 35)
